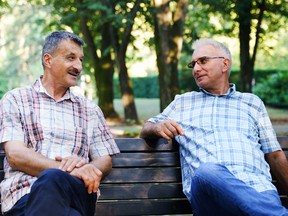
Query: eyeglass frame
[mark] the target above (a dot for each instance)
(193, 63)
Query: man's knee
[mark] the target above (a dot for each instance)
(53, 174)
(50, 177)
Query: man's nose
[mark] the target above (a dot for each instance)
(196, 69)
(197, 66)
(78, 65)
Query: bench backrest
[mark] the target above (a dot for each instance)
(146, 180)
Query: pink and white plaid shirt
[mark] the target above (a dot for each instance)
(72, 126)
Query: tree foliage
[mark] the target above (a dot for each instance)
(21, 41)
(252, 18)
(106, 27)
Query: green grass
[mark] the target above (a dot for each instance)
(146, 108)
(275, 113)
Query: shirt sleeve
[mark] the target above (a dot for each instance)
(267, 135)
(11, 127)
(102, 141)
(168, 112)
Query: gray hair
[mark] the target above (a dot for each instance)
(217, 45)
(52, 41)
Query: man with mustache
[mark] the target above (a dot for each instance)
(227, 143)
(58, 146)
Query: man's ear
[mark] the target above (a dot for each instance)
(47, 58)
(226, 63)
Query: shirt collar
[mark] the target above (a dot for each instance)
(230, 91)
(38, 87)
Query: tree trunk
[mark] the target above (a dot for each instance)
(163, 19)
(247, 61)
(168, 44)
(128, 101)
(243, 8)
(106, 91)
(176, 42)
(120, 44)
(103, 74)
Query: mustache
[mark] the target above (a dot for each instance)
(74, 71)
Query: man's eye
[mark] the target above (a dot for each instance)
(71, 58)
(203, 60)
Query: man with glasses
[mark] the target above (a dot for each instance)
(227, 142)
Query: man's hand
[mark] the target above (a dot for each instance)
(168, 129)
(67, 164)
(90, 175)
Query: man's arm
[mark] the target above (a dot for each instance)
(279, 168)
(27, 160)
(103, 163)
(167, 129)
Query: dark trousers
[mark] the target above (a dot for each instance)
(56, 193)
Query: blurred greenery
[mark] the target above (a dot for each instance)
(273, 90)
(25, 23)
(147, 87)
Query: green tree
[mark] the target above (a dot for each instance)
(121, 37)
(21, 38)
(86, 18)
(169, 19)
(251, 17)
(106, 26)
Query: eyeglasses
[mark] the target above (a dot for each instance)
(202, 61)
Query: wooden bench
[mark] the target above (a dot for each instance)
(146, 180)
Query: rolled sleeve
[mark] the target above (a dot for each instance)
(10, 124)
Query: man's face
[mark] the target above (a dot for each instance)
(66, 63)
(208, 69)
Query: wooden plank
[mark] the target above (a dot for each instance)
(152, 175)
(283, 140)
(148, 145)
(284, 201)
(1, 175)
(141, 191)
(144, 207)
(2, 156)
(286, 153)
(146, 159)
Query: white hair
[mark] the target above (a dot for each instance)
(217, 45)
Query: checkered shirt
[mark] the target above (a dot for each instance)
(71, 126)
(231, 129)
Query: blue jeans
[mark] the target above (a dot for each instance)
(56, 193)
(216, 191)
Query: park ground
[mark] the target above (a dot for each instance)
(150, 107)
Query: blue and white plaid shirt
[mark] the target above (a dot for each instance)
(232, 129)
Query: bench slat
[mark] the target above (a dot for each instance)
(149, 175)
(145, 145)
(283, 140)
(146, 159)
(141, 191)
(144, 207)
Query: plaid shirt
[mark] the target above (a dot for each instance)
(71, 126)
(232, 129)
